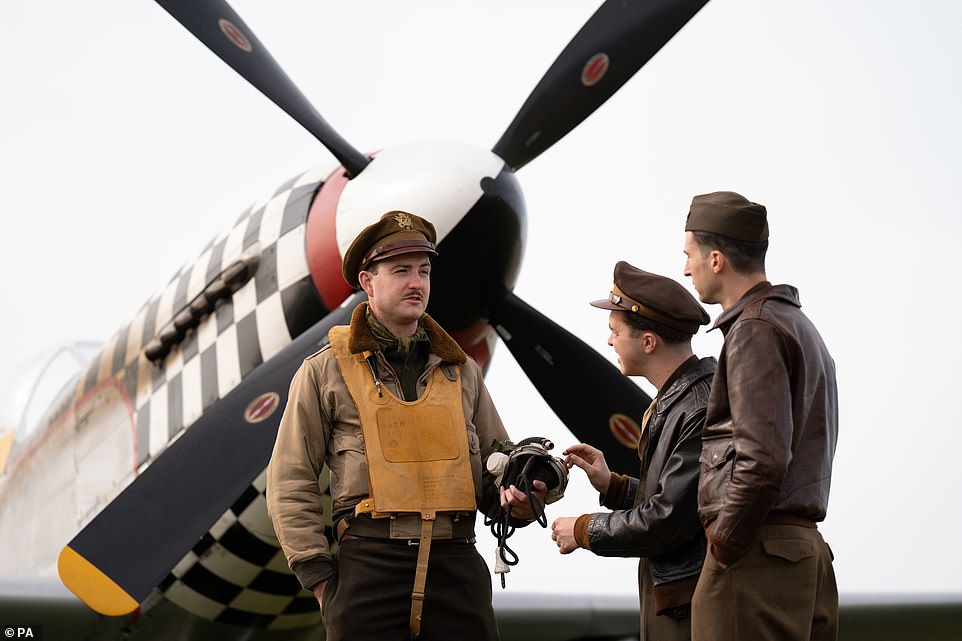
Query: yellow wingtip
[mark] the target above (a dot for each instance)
(93, 587)
(6, 443)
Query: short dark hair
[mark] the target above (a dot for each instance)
(372, 267)
(638, 324)
(746, 257)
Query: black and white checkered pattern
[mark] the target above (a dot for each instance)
(259, 320)
(236, 573)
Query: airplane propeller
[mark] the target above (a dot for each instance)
(130, 546)
(615, 42)
(582, 388)
(217, 25)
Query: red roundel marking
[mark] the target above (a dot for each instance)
(625, 430)
(234, 35)
(261, 408)
(595, 69)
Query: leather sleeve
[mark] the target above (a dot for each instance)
(660, 523)
(759, 394)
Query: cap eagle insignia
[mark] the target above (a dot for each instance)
(404, 221)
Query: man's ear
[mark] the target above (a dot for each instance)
(649, 341)
(716, 260)
(366, 280)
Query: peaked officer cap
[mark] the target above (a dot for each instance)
(396, 233)
(655, 297)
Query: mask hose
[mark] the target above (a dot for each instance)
(501, 527)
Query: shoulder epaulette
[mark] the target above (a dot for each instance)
(320, 351)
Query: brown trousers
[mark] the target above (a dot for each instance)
(654, 627)
(783, 589)
(369, 596)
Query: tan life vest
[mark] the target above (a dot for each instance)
(417, 452)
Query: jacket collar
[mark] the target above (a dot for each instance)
(688, 373)
(760, 292)
(362, 340)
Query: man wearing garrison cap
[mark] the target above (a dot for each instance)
(652, 319)
(406, 480)
(768, 442)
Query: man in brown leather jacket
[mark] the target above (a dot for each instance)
(655, 516)
(768, 442)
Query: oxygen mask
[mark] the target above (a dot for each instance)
(521, 465)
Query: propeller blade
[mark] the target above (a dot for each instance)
(219, 27)
(592, 398)
(615, 42)
(128, 549)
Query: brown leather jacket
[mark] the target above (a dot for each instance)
(772, 424)
(655, 515)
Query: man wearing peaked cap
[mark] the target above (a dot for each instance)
(652, 320)
(353, 407)
(768, 441)
(396, 233)
(657, 298)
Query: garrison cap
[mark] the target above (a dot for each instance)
(728, 214)
(655, 297)
(397, 232)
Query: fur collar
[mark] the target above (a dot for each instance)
(361, 339)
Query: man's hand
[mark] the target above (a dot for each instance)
(563, 534)
(318, 591)
(518, 501)
(718, 551)
(592, 461)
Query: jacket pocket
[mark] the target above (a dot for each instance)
(344, 442)
(717, 462)
(680, 563)
(348, 469)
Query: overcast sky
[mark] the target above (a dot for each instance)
(125, 146)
